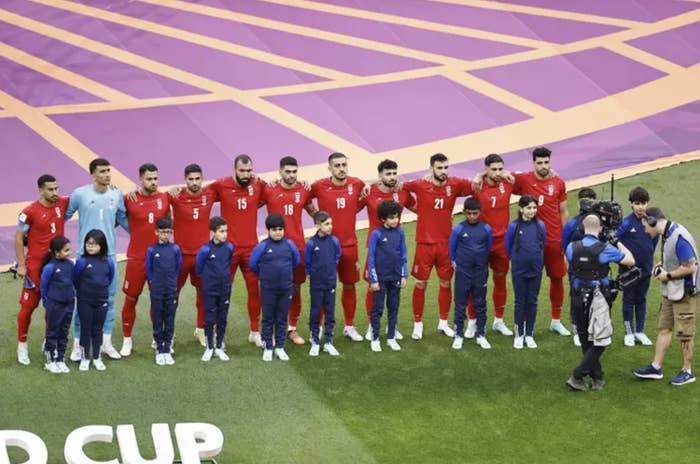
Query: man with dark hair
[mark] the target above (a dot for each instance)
(39, 222)
(143, 210)
(634, 299)
(101, 207)
(340, 196)
(550, 192)
(679, 275)
(241, 194)
(435, 199)
(385, 189)
(288, 198)
(191, 210)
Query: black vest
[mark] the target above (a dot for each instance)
(585, 262)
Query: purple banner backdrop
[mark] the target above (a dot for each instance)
(377, 118)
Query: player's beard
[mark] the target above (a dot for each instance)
(390, 185)
(440, 178)
(243, 182)
(543, 172)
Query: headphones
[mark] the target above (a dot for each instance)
(651, 220)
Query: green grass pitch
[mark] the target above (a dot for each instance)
(426, 403)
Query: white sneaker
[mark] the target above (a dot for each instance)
(221, 354)
(267, 355)
(330, 349)
(457, 343)
(84, 364)
(642, 338)
(314, 349)
(417, 331)
(530, 342)
(352, 333)
(52, 367)
(518, 342)
(153, 345)
(282, 355)
(201, 338)
(76, 354)
(254, 338)
(208, 353)
(470, 331)
(160, 359)
(500, 326)
(558, 327)
(397, 334)
(63, 367)
(375, 346)
(169, 360)
(23, 353)
(108, 349)
(126, 347)
(99, 365)
(444, 328)
(629, 339)
(393, 344)
(577, 340)
(483, 343)
(368, 334)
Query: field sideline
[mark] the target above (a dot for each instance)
(426, 403)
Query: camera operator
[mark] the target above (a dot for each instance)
(678, 273)
(591, 297)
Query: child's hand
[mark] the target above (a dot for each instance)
(403, 282)
(374, 287)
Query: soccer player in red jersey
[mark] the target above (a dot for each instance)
(494, 197)
(143, 210)
(191, 210)
(550, 192)
(385, 189)
(339, 195)
(241, 195)
(288, 198)
(39, 222)
(435, 201)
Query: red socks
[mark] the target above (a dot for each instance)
(349, 299)
(295, 309)
(444, 301)
(200, 310)
(254, 304)
(24, 318)
(128, 315)
(556, 295)
(500, 293)
(418, 303)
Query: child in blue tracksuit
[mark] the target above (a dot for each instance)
(525, 247)
(213, 265)
(386, 263)
(57, 295)
(94, 272)
(470, 246)
(163, 263)
(634, 298)
(321, 257)
(274, 260)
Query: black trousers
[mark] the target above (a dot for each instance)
(590, 363)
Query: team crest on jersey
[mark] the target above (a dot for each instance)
(550, 189)
(250, 190)
(159, 203)
(501, 188)
(297, 197)
(396, 197)
(58, 212)
(449, 191)
(350, 189)
(204, 200)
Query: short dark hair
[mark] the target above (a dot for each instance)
(274, 221)
(243, 159)
(164, 223)
(96, 163)
(587, 192)
(387, 209)
(191, 168)
(655, 213)
(639, 194)
(335, 155)
(386, 165)
(321, 217)
(492, 158)
(215, 222)
(541, 152)
(147, 167)
(437, 158)
(526, 200)
(99, 237)
(44, 179)
(288, 161)
(57, 243)
(472, 203)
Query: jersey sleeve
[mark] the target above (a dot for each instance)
(683, 250)
(254, 262)
(567, 231)
(24, 221)
(411, 186)
(178, 259)
(338, 250)
(73, 204)
(489, 234)
(371, 260)
(454, 235)
(404, 254)
(295, 253)
(149, 264)
(510, 235)
(201, 259)
(78, 271)
(46, 279)
(121, 213)
(610, 254)
(308, 251)
(112, 269)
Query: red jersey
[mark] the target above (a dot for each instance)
(495, 206)
(549, 193)
(435, 205)
(376, 197)
(42, 223)
(289, 202)
(143, 213)
(191, 219)
(239, 206)
(342, 202)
